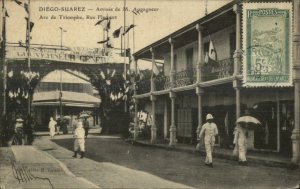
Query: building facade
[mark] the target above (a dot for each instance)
(67, 93)
(194, 84)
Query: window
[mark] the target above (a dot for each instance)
(189, 58)
(65, 86)
(175, 62)
(206, 48)
(52, 87)
(232, 45)
(76, 87)
(70, 86)
(80, 88)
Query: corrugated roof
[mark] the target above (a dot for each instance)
(67, 96)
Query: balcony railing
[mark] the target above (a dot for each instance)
(162, 83)
(185, 77)
(217, 69)
(143, 86)
(210, 71)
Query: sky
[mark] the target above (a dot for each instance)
(164, 17)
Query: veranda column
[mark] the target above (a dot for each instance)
(199, 90)
(172, 70)
(296, 72)
(152, 73)
(153, 126)
(153, 99)
(166, 118)
(172, 96)
(237, 59)
(173, 139)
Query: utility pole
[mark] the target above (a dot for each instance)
(61, 37)
(125, 69)
(133, 42)
(4, 56)
(60, 95)
(206, 7)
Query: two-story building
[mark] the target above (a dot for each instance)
(205, 71)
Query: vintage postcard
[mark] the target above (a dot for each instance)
(150, 94)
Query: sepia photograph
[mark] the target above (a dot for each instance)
(162, 94)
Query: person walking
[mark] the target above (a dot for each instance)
(51, 126)
(240, 142)
(209, 130)
(79, 140)
(86, 126)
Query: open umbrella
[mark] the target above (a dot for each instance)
(248, 121)
(84, 115)
(67, 117)
(19, 120)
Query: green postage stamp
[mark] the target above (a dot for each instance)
(267, 44)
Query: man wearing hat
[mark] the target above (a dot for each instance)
(209, 130)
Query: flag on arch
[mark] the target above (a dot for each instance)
(117, 32)
(18, 2)
(25, 5)
(31, 24)
(109, 43)
(127, 29)
(6, 13)
(100, 21)
(104, 41)
(105, 23)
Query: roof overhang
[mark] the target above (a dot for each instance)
(68, 99)
(70, 104)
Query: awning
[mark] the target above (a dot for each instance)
(51, 98)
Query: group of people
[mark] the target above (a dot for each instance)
(209, 131)
(54, 126)
(80, 132)
(21, 132)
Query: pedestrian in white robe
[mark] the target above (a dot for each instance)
(79, 135)
(51, 126)
(209, 130)
(240, 141)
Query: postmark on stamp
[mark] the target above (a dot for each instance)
(267, 30)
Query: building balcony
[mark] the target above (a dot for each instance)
(143, 86)
(161, 83)
(213, 70)
(185, 77)
(217, 69)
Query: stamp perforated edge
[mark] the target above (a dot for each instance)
(256, 5)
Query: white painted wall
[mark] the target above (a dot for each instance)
(220, 40)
